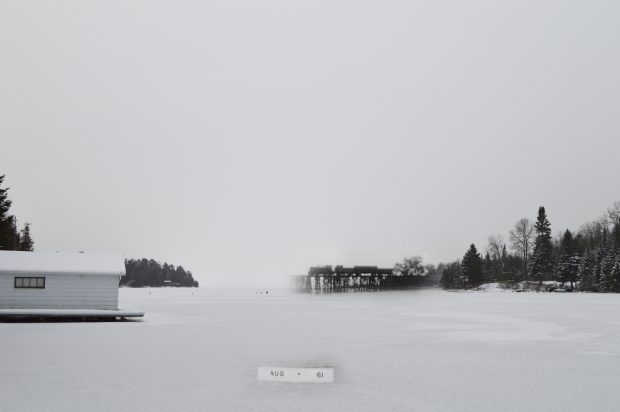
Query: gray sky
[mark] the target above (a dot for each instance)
(248, 140)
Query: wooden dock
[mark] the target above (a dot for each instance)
(82, 314)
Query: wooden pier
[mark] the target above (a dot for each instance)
(325, 279)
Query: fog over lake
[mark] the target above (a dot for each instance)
(247, 141)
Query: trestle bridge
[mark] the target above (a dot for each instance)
(357, 278)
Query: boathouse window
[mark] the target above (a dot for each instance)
(30, 283)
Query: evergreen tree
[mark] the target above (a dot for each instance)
(568, 261)
(148, 272)
(542, 259)
(460, 280)
(606, 280)
(8, 231)
(615, 237)
(15, 235)
(513, 268)
(615, 275)
(600, 256)
(587, 272)
(447, 278)
(579, 244)
(488, 268)
(567, 244)
(25, 240)
(568, 269)
(471, 267)
(450, 276)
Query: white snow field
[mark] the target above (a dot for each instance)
(199, 350)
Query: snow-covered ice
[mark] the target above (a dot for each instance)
(199, 349)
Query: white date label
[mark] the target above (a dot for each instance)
(311, 375)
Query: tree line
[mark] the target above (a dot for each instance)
(12, 238)
(148, 272)
(588, 260)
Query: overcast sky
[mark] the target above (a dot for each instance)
(247, 140)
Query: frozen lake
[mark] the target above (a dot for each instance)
(199, 349)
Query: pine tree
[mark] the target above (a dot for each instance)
(568, 262)
(568, 268)
(148, 272)
(575, 264)
(488, 268)
(460, 280)
(471, 267)
(447, 278)
(542, 259)
(615, 237)
(7, 222)
(567, 244)
(580, 244)
(587, 276)
(615, 275)
(600, 256)
(15, 238)
(450, 276)
(25, 240)
(606, 281)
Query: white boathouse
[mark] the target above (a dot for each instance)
(61, 284)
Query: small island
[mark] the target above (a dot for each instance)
(148, 272)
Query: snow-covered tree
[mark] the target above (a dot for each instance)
(568, 262)
(615, 275)
(615, 237)
(587, 278)
(489, 268)
(568, 268)
(606, 280)
(542, 258)
(25, 239)
(471, 267)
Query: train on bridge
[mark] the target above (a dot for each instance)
(352, 271)
(357, 278)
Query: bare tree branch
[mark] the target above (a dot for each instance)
(522, 240)
(614, 213)
(495, 246)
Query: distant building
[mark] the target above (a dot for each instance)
(74, 281)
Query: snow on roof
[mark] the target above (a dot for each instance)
(61, 262)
